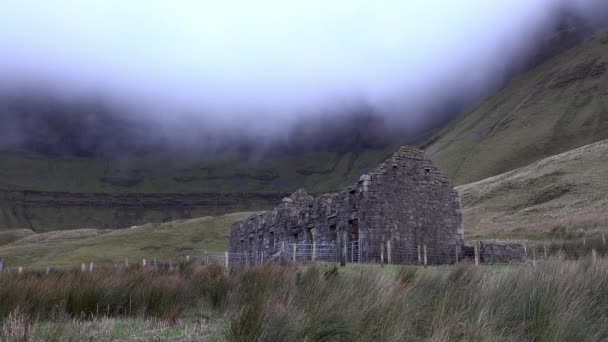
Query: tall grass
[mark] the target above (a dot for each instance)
(560, 299)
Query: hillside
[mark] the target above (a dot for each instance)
(162, 241)
(561, 197)
(44, 193)
(560, 105)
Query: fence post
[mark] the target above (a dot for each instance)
(282, 250)
(127, 262)
(294, 249)
(534, 257)
(226, 262)
(594, 255)
(456, 253)
(476, 250)
(154, 262)
(344, 249)
(389, 257)
(314, 250)
(419, 255)
(382, 254)
(91, 266)
(526, 251)
(360, 248)
(83, 267)
(48, 270)
(425, 259)
(19, 269)
(143, 263)
(206, 258)
(545, 250)
(603, 239)
(584, 242)
(187, 258)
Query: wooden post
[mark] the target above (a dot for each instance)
(389, 252)
(48, 270)
(382, 254)
(187, 258)
(293, 255)
(419, 256)
(226, 262)
(143, 263)
(83, 267)
(425, 259)
(19, 269)
(545, 250)
(283, 250)
(476, 250)
(91, 266)
(594, 255)
(154, 262)
(127, 262)
(344, 249)
(360, 248)
(206, 258)
(314, 250)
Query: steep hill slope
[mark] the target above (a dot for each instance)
(44, 193)
(561, 197)
(560, 105)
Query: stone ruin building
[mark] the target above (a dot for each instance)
(402, 205)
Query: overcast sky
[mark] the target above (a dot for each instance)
(267, 59)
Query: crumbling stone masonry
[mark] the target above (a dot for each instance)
(404, 203)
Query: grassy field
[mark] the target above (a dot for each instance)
(563, 197)
(560, 105)
(162, 241)
(556, 300)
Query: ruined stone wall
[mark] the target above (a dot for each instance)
(411, 203)
(406, 200)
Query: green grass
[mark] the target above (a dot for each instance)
(161, 241)
(531, 118)
(68, 192)
(12, 235)
(563, 197)
(558, 299)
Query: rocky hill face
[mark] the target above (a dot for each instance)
(558, 106)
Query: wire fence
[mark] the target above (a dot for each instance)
(358, 252)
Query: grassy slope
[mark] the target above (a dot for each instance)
(161, 241)
(562, 197)
(12, 235)
(558, 106)
(318, 172)
(188, 188)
